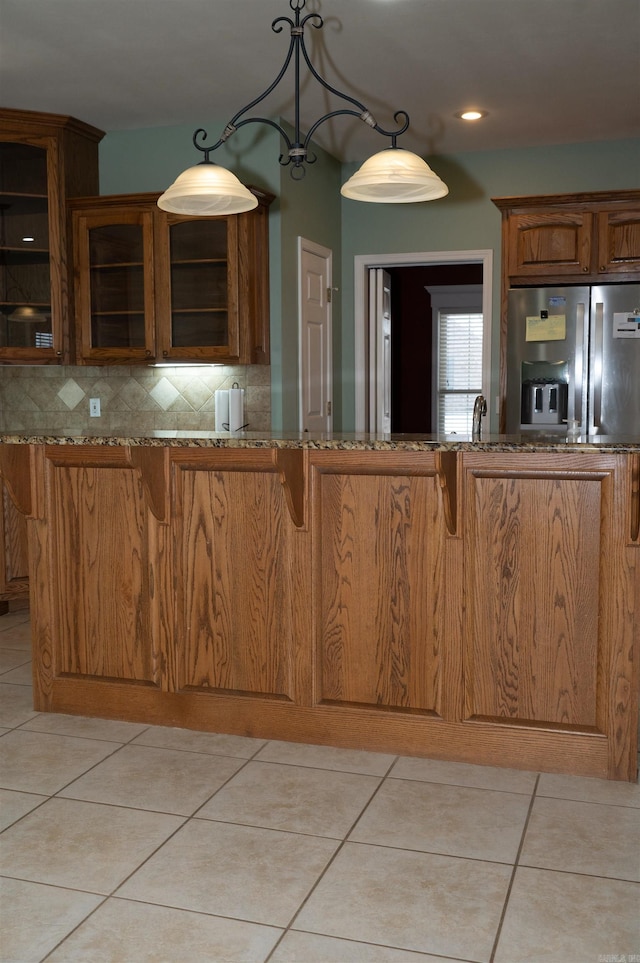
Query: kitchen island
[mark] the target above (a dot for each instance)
(470, 601)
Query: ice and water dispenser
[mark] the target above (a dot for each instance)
(544, 393)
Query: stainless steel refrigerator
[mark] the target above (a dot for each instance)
(573, 360)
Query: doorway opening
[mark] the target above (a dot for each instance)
(413, 334)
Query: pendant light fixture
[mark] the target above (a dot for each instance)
(392, 176)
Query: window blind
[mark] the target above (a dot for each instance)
(460, 338)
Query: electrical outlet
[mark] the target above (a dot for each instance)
(94, 407)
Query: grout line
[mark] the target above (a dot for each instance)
(513, 872)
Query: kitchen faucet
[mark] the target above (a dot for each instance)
(479, 411)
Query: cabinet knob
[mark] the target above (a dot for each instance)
(586, 269)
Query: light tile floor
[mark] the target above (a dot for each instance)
(123, 843)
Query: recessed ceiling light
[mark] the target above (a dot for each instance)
(28, 238)
(471, 114)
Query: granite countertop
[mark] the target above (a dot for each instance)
(340, 442)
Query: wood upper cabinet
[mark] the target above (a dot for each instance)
(152, 286)
(44, 160)
(571, 237)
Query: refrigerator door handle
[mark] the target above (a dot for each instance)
(579, 367)
(596, 365)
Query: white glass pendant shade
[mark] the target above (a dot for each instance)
(394, 176)
(207, 190)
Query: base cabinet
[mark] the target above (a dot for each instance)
(470, 606)
(14, 575)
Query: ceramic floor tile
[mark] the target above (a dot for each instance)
(14, 620)
(11, 659)
(452, 820)
(582, 837)
(16, 705)
(554, 917)
(310, 948)
(14, 805)
(326, 757)
(138, 933)
(159, 779)
(314, 801)
(414, 901)
(21, 675)
(82, 845)
(60, 724)
(218, 744)
(17, 636)
(43, 763)
(257, 875)
(464, 774)
(35, 918)
(583, 788)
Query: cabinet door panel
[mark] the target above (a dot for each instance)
(380, 584)
(14, 579)
(533, 591)
(198, 288)
(547, 603)
(103, 598)
(241, 597)
(550, 242)
(619, 242)
(114, 285)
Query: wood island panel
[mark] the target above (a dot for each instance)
(475, 606)
(380, 583)
(241, 578)
(100, 550)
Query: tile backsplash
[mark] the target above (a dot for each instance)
(37, 399)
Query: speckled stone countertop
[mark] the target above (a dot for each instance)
(341, 442)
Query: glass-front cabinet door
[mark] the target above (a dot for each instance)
(115, 295)
(155, 287)
(45, 159)
(197, 285)
(26, 325)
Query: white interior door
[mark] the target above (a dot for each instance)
(380, 351)
(315, 337)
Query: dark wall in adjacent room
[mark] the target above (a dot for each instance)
(412, 365)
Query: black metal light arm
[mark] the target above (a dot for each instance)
(297, 152)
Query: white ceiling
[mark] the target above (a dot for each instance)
(547, 71)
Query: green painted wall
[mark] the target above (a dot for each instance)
(150, 159)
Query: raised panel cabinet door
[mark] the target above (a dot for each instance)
(619, 242)
(380, 583)
(242, 579)
(548, 610)
(100, 552)
(543, 243)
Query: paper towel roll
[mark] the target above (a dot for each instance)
(236, 409)
(221, 402)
